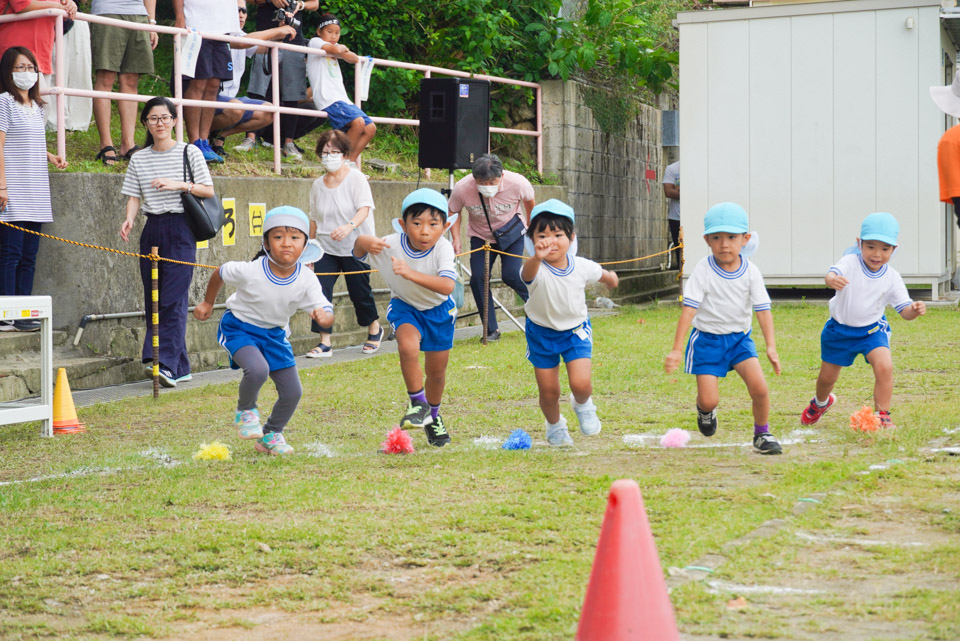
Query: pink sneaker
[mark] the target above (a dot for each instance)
(812, 412)
(273, 443)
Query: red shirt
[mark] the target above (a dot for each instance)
(36, 35)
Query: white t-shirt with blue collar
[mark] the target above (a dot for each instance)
(863, 300)
(266, 300)
(556, 295)
(725, 301)
(436, 261)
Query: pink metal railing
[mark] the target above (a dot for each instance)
(273, 107)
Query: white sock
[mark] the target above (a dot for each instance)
(820, 403)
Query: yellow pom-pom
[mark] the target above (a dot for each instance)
(215, 451)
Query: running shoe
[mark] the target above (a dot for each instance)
(586, 416)
(557, 435)
(437, 432)
(247, 423)
(417, 415)
(707, 422)
(273, 443)
(766, 443)
(812, 412)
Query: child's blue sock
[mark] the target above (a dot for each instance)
(434, 410)
(760, 429)
(419, 397)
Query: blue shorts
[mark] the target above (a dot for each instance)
(840, 344)
(717, 354)
(546, 346)
(340, 114)
(435, 325)
(246, 115)
(233, 334)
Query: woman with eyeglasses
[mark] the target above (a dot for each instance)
(24, 179)
(153, 184)
(341, 208)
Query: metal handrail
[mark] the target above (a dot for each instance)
(273, 107)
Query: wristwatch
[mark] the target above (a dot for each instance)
(152, 21)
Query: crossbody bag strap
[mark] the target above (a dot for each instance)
(487, 216)
(187, 169)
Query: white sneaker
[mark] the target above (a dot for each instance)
(291, 152)
(587, 416)
(247, 144)
(557, 435)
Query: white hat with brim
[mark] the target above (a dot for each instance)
(948, 98)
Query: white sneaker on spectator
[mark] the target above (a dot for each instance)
(247, 144)
(291, 152)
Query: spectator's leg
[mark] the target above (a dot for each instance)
(675, 239)
(288, 122)
(128, 111)
(259, 120)
(11, 251)
(476, 283)
(956, 209)
(359, 134)
(225, 121)
(210, 91)
(191, 115)
(28, 261)
(103, 81)
(510, 269)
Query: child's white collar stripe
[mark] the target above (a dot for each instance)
(273, 278)
(724, 273)
(410, 251)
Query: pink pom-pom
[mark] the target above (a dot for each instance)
(675, 437)
(398, 442)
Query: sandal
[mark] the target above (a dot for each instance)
(320, 351)
(127, 156)
(108, 161)
(373, 342)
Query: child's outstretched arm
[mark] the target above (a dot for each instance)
(439, 284)
(610, 278)
(368, 245)
(914, 310)
(672, 362)
(765, 318)
(532, 265)
(835, 281)
(203, 309)
(323, 317)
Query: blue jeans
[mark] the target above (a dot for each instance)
(18, 258)
(509, 272)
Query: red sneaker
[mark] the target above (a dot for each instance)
(812, 412)
(885, 421)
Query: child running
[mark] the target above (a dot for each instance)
(865, 285)
(270, 289)
(722, 291)
(329, 94)
(418, 267)
(557, 324)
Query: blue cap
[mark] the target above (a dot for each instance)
(553, 206)
(286, 216)
(726, 217)
(880, 226)
(425, 196)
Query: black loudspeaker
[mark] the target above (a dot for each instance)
(454, 122)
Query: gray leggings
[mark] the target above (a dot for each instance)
(255, 372)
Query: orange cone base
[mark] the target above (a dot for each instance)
(65, 419)
(67, 427)
(627, 596)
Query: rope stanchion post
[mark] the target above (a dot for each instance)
(682, 252)
(486, 292)
(155, 316)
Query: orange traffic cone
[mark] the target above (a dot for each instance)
(65, 419)
(627, 596)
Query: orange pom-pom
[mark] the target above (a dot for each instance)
(865, 420)
(398, 442)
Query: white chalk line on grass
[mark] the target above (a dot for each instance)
(80, 471)
(814, 538)
(318, 450)
(653, 440)
(736, 588)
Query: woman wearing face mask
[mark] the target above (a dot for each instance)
(341, 208)
(498, 204)
(25, 186)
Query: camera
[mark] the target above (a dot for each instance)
(281, 17)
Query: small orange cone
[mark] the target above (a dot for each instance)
(627, 597)
(65, 419)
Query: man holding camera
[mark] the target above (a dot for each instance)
(214, 63)
(293, 66)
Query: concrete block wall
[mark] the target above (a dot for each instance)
(620, 213)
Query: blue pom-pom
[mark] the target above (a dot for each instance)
(518, 440)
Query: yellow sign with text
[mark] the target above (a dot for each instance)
(257, 211)
(203, 244)
(229, 229)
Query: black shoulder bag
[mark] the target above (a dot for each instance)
(507, 235)
(205, 216)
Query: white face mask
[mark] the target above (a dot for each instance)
(331, 161)
(488, 191)
(25, 80)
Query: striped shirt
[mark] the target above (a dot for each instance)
(436, 261)
(25, 162)
(725, 301)
(148, 164)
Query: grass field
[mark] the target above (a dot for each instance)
(131, 537)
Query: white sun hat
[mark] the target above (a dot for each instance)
(948, 98)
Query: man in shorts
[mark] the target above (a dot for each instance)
(125, 53)
(213, 64)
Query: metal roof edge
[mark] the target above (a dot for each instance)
(804, 9)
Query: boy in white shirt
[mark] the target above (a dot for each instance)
(418, 267)
(722, 293)
(865, 285)
(557, 324)
(329, 94)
